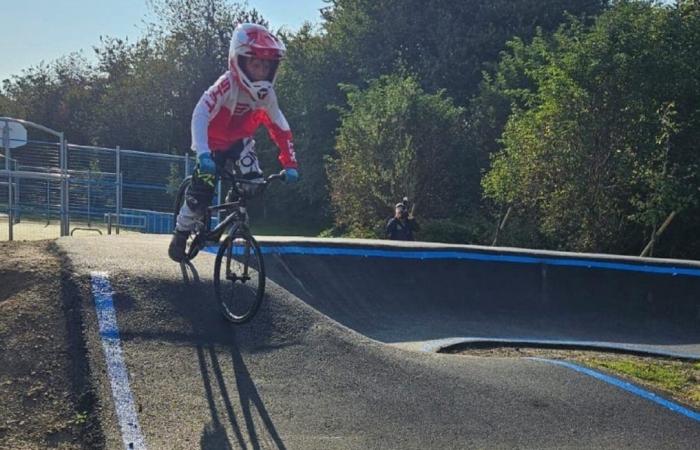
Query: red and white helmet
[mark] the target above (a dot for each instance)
(251, 40)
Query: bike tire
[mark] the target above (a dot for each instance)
(240, 287)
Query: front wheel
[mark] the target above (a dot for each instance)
(239, 277)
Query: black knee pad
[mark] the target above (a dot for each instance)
(199, 197)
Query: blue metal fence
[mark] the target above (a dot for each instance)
(47, 180)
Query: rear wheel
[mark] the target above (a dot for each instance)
(239, 277)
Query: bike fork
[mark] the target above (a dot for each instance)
(245, 258)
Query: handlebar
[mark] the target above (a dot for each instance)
(259, 182)
(232, 177)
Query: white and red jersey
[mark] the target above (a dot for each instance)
(226, 113)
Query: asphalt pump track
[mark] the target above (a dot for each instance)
(341, 355)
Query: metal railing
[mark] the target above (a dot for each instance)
(14, 175)
(84, 185)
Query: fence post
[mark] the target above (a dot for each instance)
(119, 189)
(89, 188)
(48, 203)
(62, 167)
(65, 188)
(187, 165)
(8, 167)
(62, 202)
(17, 189)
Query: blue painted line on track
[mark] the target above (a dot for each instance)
(472, 256)
(629, 387)
(116, 367)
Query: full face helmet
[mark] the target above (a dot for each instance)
(251, 40)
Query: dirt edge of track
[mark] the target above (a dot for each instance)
(45, 380)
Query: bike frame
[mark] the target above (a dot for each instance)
(237, 218)
(237, 225)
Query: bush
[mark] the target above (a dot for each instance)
(470, 231)
(396, 140)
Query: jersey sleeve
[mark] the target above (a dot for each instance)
(207, 107)
(279, 132)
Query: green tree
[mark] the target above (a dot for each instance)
(396, 140)
(601, 144)
(140, 94)
(308, 92)
(447, 44)
(58, 95)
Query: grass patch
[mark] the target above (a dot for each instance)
(679, 379)
(675, 378)
(668, 375)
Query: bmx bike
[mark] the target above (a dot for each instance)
(239, 269)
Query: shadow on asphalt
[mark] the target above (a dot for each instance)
(214, 435)
(188, 314)
(391, 301)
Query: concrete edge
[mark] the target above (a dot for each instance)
(440, 345)
(269, 241)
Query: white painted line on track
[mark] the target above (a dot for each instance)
(116, 368)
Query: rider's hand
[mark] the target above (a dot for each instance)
(291, 175)
(206, 163)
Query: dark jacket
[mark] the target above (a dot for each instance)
(401, 230)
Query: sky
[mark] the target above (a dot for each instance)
(36, 30)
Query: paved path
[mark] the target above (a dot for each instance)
(295, 378)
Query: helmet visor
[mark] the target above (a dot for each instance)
(258, 69)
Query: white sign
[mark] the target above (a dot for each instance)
(18, 134)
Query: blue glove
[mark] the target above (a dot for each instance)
(206, 163)
(291, 175)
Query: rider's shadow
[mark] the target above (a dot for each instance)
(251, 402)
(236, 420)
(214, 435)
